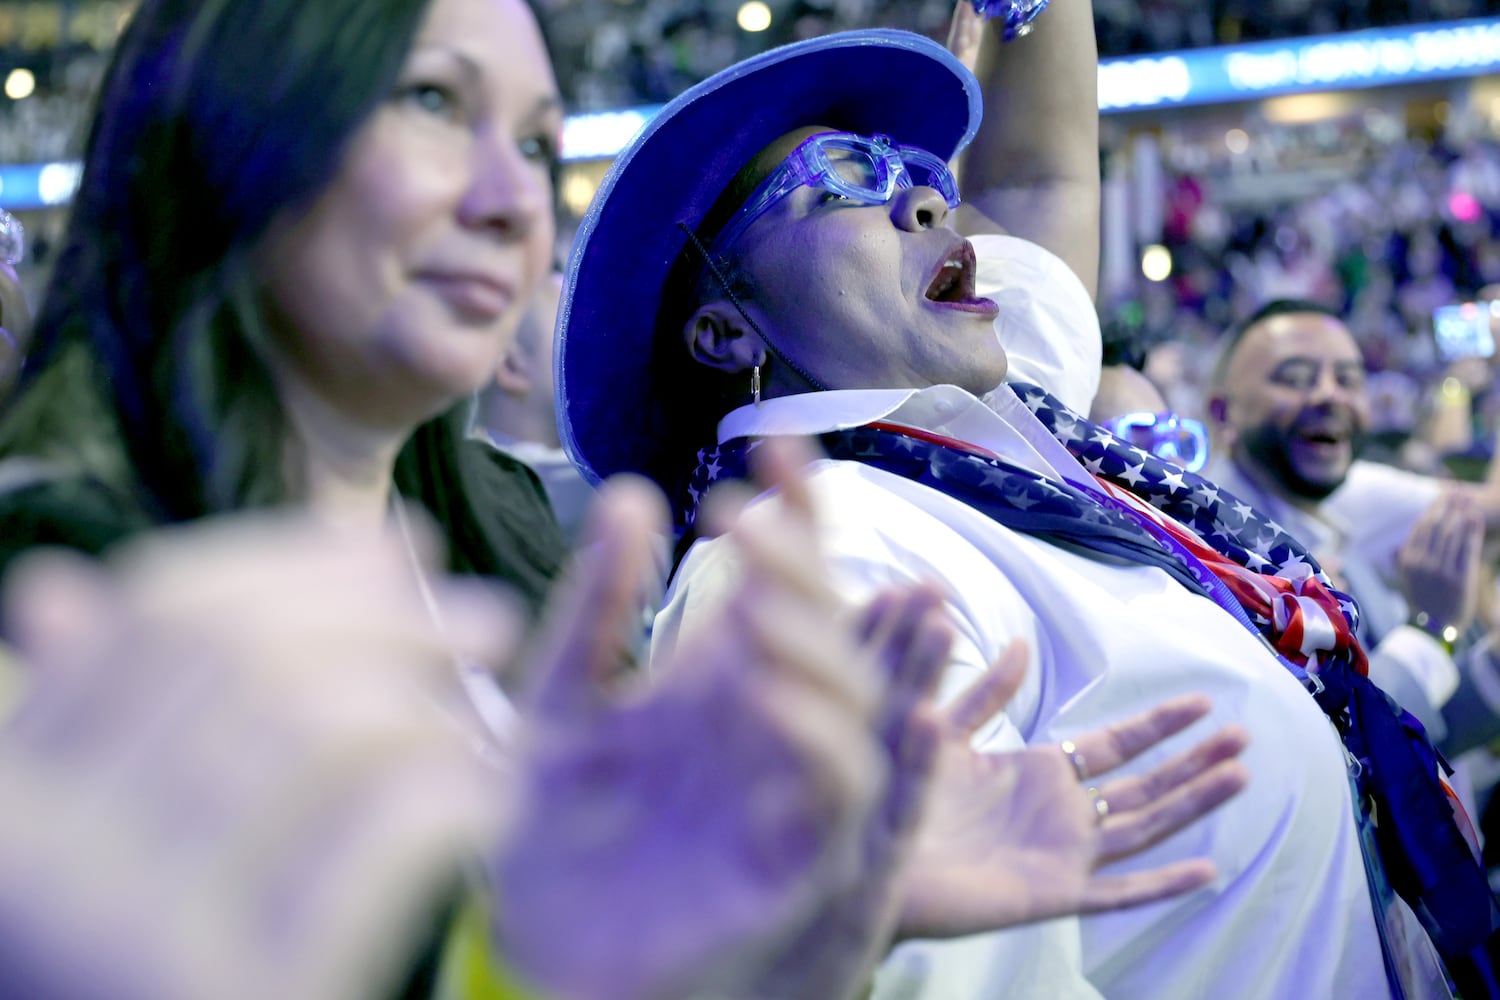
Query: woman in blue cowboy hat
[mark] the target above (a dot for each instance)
(784, 251)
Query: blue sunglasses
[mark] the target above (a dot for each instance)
(1181, 440)
(868, 170)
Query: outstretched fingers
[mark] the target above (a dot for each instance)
(908, 633)
(1144, 810)
(1105, 749)
(988, 695)
(1116, 892)
(782, 633)
(909, 636)
(779, 463)
(786, 599)
(836, 754)
(1462, 537)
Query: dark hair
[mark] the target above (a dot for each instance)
(694, 396)
(1272, 309)
(214, 116)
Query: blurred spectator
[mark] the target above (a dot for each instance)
(1290, 407)
(516, 413)
(1386, 228)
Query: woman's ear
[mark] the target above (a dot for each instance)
(718, 336)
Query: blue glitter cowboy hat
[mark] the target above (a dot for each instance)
(613, 388)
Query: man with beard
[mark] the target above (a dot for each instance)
(1289, 408)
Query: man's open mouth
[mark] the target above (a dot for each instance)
(1321, 438)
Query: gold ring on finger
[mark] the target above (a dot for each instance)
(1101, 807)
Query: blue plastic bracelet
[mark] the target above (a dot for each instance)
(1016, 15)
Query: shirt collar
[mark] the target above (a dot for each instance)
(533, 453)
(1000, 423)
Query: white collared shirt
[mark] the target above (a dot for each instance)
(943, 409)
(1289, 915)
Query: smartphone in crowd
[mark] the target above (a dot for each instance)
(1463, 330)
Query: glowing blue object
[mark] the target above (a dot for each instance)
(1015, 15)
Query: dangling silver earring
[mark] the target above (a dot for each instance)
(755, 385)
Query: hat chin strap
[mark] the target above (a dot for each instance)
(815, 383)
(802, 373)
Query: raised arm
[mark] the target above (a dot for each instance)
(1033, 169)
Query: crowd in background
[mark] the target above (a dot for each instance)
(620, 53)
(1385, 230)
(615, 53)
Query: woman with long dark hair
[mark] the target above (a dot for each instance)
(303, 237)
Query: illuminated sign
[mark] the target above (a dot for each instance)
(1374, 58)
(601, 135)
(38, 185)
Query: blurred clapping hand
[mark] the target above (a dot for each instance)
(706, 818)
(235, 769)
(781, 800)
(1438, 567)
(242, 766)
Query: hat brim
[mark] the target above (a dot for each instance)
(894, 82)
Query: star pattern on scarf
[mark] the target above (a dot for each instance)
(1398, 766)
(1221, 519)
(1225, 521)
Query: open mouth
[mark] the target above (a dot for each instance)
(1322, 440)
(954, 282)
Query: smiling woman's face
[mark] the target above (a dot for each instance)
(397, 290)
